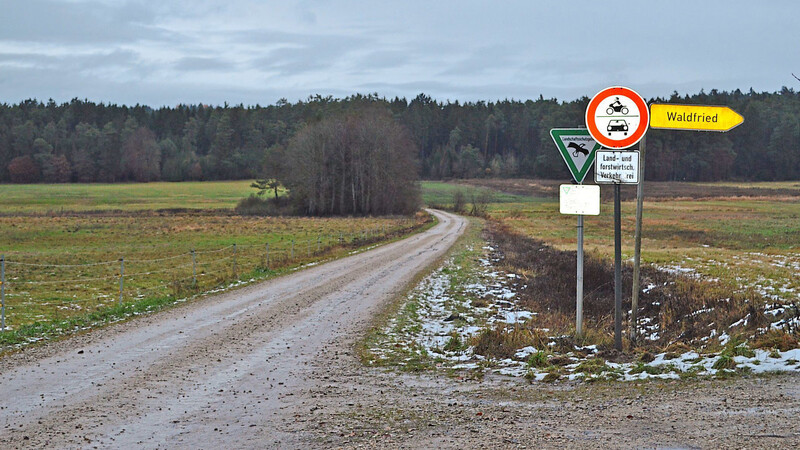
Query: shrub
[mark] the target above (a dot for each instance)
(259, 206)
(454, 344)
(551, 376)
(538, 360)
(459, 201)
(502, 342)
(561, 360)
(480, 203)
(592, 366)
(724, 362)
(738, 350)
(776, 339)
(650, 370)
(23, 169)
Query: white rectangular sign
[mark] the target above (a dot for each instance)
(579, 199)
(616, 167)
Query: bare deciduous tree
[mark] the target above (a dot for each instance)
(359, 163)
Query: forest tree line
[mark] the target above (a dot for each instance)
(83, 141)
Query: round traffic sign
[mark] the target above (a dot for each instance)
(617, 117)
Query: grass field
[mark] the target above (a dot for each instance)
(743, 239)
(437, 193)
(720, 292)
(63, 244)
(675, 227)
(48, 198)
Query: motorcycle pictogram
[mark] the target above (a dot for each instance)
(617, 107)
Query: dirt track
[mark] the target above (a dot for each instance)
(272, 365)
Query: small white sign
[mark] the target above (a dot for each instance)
(579, 199)
(616, 167)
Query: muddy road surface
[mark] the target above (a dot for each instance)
(229, 371)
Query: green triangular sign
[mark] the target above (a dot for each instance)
(577, 148)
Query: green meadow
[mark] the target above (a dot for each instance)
(63, 244)
(54, 198)
(735, 232)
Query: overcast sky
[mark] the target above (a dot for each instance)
(256, 52)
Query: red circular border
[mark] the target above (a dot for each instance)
(644, 117)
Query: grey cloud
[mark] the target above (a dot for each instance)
(294, 61)
(449, 50)
(27, 59)
(20, 84)
(49, 21)
(385, 59)
(198, 63)
(301, 52)
(271, 37)
(73, 62)
(307, 15)
(483, 59)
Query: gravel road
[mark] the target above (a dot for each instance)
(272, 365)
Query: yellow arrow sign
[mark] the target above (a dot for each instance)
(694, 117)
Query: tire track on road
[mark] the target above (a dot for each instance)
(224, 371)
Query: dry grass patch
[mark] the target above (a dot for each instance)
(683, 311)
(503, 341)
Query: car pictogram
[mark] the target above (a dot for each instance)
(617, 125)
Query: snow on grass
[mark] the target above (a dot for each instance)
(459, 300)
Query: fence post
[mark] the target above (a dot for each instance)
(292, 254)
(121, 277)
(318, 243)
(266, 261)
(341, 238)
(234, 260)
(3, 291)
(194, 269)
(308, 249)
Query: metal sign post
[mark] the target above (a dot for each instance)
(617, 167)
(579, 284)
(3, 292)
(637, 242)
(579, 200)
(578, 149)
(673, 117)
(617, 270)
(617, 117)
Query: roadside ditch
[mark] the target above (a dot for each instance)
(505, 303)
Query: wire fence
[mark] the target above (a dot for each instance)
(33, 289)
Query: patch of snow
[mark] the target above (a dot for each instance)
(444, 311)
(524, 352)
